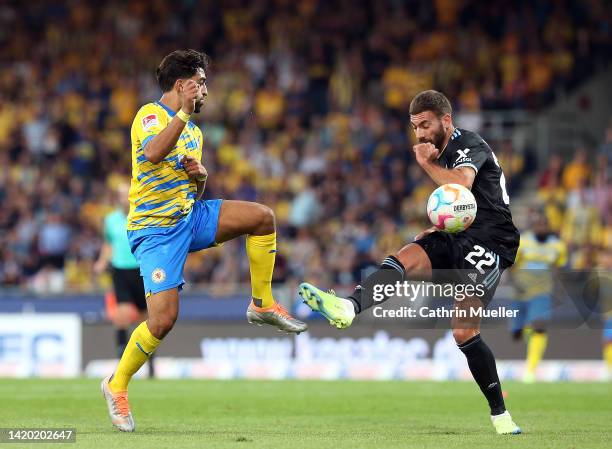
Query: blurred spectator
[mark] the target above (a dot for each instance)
(576, 173)
(513, 164)
(605, 154)
(53, 241)
(551, 176)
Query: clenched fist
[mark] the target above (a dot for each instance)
(194, 168)
(425, 152)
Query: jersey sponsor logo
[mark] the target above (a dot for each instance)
(463, 157)
(149, 121)
(158, 275)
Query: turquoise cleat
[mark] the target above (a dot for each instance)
(339, 312)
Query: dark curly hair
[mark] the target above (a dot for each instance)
(180, 64)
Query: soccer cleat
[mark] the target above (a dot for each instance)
(118, 407)
(504, 425)
(276, 316)
(339, 312)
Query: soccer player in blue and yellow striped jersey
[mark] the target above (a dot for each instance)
(168, 219)
(540, 254)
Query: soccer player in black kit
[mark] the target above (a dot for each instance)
(476, 256)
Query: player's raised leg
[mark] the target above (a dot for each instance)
(411, 262)
(163, 311)
(257, 222)
(481, 361)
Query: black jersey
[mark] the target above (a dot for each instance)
(493, 225)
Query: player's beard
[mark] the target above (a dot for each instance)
(198, 105)
(438, 137)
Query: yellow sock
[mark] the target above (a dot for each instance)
(138, 350)
(261, 250)
(607, 352)
(535, 350)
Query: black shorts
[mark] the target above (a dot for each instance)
(460, 259)
(129, 287)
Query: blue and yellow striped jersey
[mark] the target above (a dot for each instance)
(535, 260)
(160, 194)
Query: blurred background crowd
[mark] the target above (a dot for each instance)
(307, 113)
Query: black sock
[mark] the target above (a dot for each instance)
(391, 271)
(122, 340)
(151, 367)
(482, 365)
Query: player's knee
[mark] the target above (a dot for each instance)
(266, 220)
(161, 325)
(461, 335)
(415, 261)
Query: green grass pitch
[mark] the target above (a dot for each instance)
(312, 414)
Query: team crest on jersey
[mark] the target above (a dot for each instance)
(149, 121)
(158, 275)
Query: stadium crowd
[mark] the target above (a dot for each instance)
(307, 113)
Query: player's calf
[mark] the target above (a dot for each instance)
(163, 312)
(390, 272)
(461, 335)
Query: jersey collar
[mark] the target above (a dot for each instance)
(170, 112)
(456, 133)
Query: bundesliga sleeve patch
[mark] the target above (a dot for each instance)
(149, 121)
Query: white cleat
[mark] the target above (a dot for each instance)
(118, 407)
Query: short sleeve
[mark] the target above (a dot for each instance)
(147, 124)
(107, 230)
(470, 157)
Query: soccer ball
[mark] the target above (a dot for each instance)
(451, 208)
